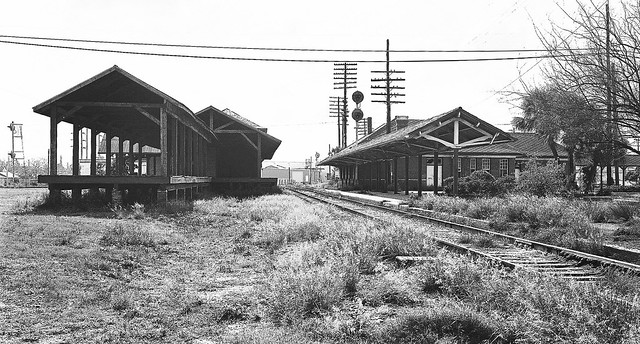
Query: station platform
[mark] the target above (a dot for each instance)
(390, 199)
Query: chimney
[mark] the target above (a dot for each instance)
(400, 122)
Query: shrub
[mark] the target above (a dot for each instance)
(478, 184)
(543, 180)
(294, 294)
(429, 326)
(597, 212)
(505, 184)
(622, 210)
(483, 208)
(631, 229)
(393, 287)
(450, 205)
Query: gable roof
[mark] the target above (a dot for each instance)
(232, 124)
(526, 145)
(382, 129)
(420, 137)
(116, 101)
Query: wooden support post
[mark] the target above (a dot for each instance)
(189, 146)
(107, 163)
(94, 150)
(395, 175)
(75, 156)
(419, 175)
(455, 171)
(203, 159)
(182, 144)
(435, 172)
(164, 146)
(196, 155)
(120, 157)
(259, 158)
(94, 157)
(378, 165)
(131, 159)
(161, 193)
(75, 162)
(139, 158)
(53, 142)
(175, 153)
(371, 176)
(54, 194)
(406, 174)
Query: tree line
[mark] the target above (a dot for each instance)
(590, 97)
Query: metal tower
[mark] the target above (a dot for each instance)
(17, 146)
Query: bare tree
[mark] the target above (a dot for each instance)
(606, 75)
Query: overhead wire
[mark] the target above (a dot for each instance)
(264, 59)
(170, 45)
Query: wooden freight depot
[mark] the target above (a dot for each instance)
(154, 145)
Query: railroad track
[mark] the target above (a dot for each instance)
(509, 251)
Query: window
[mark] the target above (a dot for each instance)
(504, 167)
(486, 164)
(472, 164)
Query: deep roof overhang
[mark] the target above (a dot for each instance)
(452, 130)
(117, 102)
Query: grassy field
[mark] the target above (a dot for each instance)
(13, 197)
(277, 270)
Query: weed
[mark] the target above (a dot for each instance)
(630, 230)
(121, 301)
(597, 212)
(622, 211)
(441, 323)
(131, 235)
(293, 294)
(137, 211)
(393, 287)
(485, 241)
(465, 239)
(483, 208)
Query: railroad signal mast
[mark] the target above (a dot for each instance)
(335, 110)
(387, 88)
(344, 76)
(17, 147)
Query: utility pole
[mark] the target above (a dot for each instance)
(388, 88)
(344, 76)
(608, 87)
(336, 111)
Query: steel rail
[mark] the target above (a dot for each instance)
(580, 258)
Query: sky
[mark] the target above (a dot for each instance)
(291, 99)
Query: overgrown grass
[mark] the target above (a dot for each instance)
(127, 234)
(246, 274)
(630, 230)
(623, 211)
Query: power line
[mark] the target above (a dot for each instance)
(236, 58)
(169, 45)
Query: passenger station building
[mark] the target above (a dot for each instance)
(153, 145)
(419, 154)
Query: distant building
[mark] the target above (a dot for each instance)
(290, 175)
